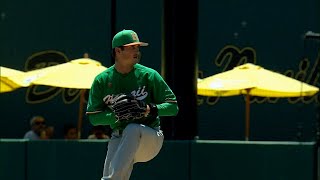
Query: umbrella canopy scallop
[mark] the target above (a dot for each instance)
(8, 82)
(256, 81)
(77, 74)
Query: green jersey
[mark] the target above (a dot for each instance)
(142, 82)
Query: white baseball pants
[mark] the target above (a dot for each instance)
(137, 143)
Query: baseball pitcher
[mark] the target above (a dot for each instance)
(130, 98)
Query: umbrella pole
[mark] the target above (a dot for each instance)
(247, 116)
(80, 116)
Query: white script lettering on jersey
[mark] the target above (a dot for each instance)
(108, 99)
(140, 94)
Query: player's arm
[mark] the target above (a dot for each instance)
(97, 111)
(165, 99)
(100, 118)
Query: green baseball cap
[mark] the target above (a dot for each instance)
(126, 38)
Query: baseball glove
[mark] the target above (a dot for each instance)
(127, 108)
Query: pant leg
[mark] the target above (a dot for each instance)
(112, 148)
(139, 143)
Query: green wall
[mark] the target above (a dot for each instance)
(13, 159)
(269, 34)
(178, 160)
(255, 160)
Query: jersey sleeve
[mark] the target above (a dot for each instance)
(97, 111)
(163, 96)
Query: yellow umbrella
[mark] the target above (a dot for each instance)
(253, 80)
(7, 81)
(76, 74)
